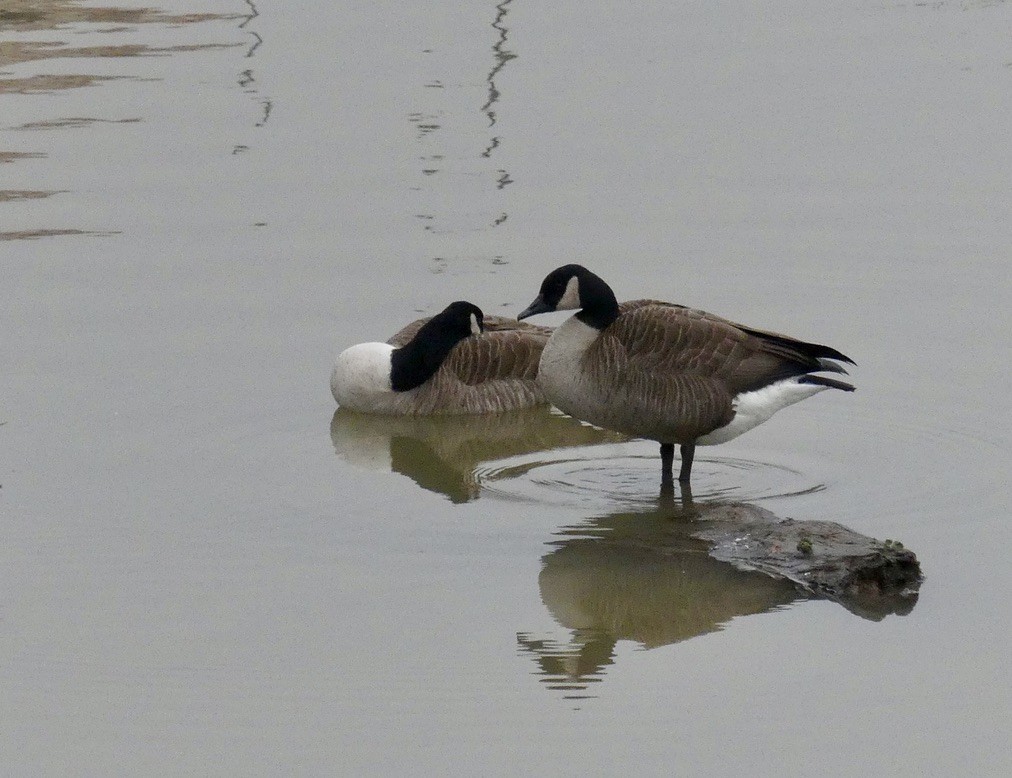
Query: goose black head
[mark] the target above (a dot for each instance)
(460, 318)
(417, 361)
(574, 287)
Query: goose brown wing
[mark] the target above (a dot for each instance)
(673, 339)
(497, 354)
(663, 370)
(491, 323)
(811, 354)
(683, 344)
(506, 324)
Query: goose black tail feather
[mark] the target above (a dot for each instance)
(820, 380)
(831, 367)
(826, 352)
(810, 350)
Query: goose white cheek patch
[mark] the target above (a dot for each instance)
(475, 327)
(571, 297)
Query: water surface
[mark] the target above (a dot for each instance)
(203, 566)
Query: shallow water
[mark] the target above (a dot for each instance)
(203, 566)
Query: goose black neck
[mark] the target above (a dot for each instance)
(417, 361)
(599, 306)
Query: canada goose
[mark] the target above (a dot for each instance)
(666, 372)
(456, 362)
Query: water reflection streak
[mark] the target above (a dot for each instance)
(31, 70)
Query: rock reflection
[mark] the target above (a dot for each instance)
(655, 578)
(447, 454)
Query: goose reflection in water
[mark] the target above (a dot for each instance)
(652, 578)
(667, 571)
(445, 454)
(654, 585)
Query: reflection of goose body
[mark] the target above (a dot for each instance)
(639, 577)
(658, 578)
(446, 453)
(654, 596)
(669, 373)
(456, 362)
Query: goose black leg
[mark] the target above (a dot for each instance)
(667, 496)
(686, 489)
(667, 459)
(687, 451)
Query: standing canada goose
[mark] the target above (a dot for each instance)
(666, 372)
(455, 362)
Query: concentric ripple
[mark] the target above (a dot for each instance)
(599, 477)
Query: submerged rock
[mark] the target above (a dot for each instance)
(869, 577)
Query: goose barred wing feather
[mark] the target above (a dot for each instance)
(661, 370)
(506, 350)
(667, 338)
(487, 373)
(491, 323)
(506, 324)
(673, 340)
(746, 357)
(672, 373)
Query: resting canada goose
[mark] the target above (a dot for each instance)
(456, 362)
(666, 372)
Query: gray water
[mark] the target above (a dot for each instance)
(205, 570)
